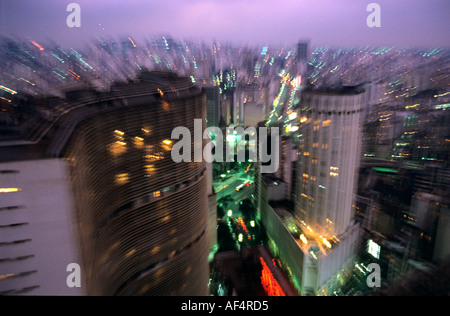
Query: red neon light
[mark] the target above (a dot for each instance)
(268, 281)
(37, 45)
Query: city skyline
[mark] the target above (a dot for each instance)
(342, 23)
(130, 134)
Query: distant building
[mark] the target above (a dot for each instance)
(253, 114)
(227, 108)
(212, 106)
(288, 161)
(431, 214)
(303, 51)
(403, 209)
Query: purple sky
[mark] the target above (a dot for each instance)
(324, 22)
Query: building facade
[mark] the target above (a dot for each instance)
(141, 219)
(328, 160)
(38, 234)
(329, 155)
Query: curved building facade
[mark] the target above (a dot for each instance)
(142, 218)
(327, 167)
(330, 150)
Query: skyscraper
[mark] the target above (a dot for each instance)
(212, 106)
(141, 219)
(328, 158)
(329, 155)
(303, 51)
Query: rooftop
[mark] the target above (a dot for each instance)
(305, 237)
(335, 90)
(55, 118)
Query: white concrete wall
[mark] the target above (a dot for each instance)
(45, 204)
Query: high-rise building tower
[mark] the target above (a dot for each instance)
(328, 160)
(303, 55)
(329, 155)
(141, 219)
(303, 51)
(212, 105)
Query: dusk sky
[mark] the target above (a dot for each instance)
(424, 23)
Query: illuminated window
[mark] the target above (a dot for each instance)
(138, 142)
(303, 238)
(332, 172)
(157, 194)
(122, 178)
(149, 169)
(9, 190)
(373, 249)
(5, 276)
(326, 242)
(118, 134)
(167, 144)
(165, 105)
(155, 250)
(155, 156)
(117, 148)
(326, 123)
